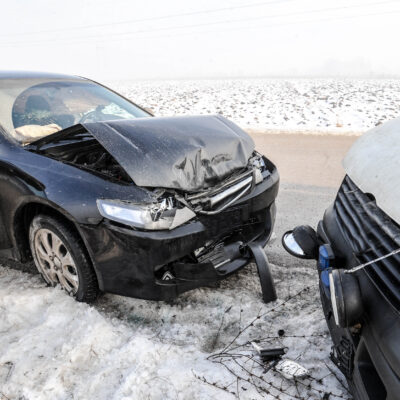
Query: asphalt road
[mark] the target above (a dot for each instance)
(311, 172)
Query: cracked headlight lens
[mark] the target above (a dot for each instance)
(157, 216)
(147, 216)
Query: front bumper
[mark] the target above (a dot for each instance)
(373, 371)
(133, 263)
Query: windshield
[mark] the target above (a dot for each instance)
(33, 108)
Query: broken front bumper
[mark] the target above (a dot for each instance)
(160, 265)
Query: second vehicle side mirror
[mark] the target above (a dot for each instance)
(301, 242)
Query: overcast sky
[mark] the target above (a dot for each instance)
(155, 39)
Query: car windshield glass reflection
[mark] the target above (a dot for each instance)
(38, 110)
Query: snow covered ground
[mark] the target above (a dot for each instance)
(53, 348)
(309, 105)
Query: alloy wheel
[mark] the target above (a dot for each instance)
(55, 261)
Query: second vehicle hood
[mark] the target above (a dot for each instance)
(373, 164)
(187, 153)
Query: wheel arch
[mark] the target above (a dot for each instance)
(21, 223)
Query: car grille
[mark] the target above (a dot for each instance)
(371, 234)
(224, 222)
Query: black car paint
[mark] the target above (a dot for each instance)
(27, 177)
(122, 257)
(187, 153)
(125, 260)
(373, 353)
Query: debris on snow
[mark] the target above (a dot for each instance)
(197, 346)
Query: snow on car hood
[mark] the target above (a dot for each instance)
(373, 163)
(187, 153)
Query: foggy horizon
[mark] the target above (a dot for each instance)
(233, 39)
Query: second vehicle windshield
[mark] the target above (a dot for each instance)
(37, 109)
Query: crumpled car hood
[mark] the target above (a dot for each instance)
(187, 153)
(373, 163)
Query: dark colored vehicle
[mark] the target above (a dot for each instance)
(357, 245)
(106, 197)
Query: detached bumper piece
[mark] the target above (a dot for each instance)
(264, 272)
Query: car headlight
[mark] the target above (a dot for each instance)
(156, 216)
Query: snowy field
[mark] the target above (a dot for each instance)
(306, 105)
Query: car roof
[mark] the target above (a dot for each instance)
(35, 75)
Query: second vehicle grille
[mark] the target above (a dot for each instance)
(371, 234)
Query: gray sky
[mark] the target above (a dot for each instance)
(154, 39)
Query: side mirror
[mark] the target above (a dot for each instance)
(301, 242)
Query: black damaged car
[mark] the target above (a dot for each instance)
(105, 197)
(357, 248)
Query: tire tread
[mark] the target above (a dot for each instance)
(79, 252)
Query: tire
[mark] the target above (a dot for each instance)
(61, 258)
